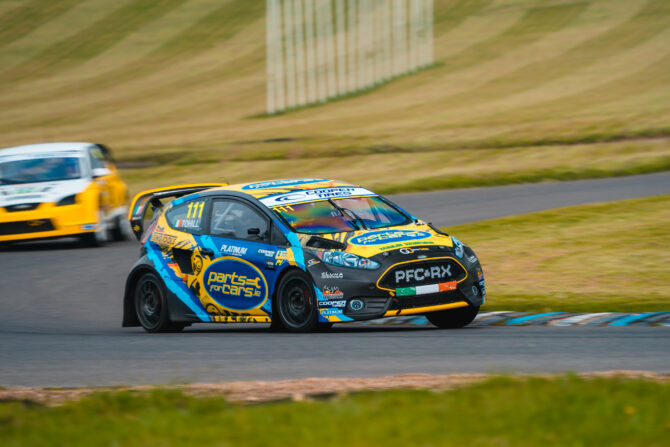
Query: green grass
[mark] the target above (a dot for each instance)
(565, 411)
(176, 82)
(601, 258)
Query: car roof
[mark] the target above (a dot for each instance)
(45, 148)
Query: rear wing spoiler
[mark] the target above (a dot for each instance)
(142, 201)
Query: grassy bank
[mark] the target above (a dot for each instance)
(602, 257)
(503, 411)
(517, 85)
(391, 170)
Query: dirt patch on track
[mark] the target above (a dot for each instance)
(295, 389)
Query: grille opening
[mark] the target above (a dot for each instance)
(409, 302)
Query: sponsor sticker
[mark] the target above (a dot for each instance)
(312, 195)
(332, 293)
(409, 251)
(312, 262)
(388, 236)
(163, 239)
(233, 250)
(333, 303)
(280, 183)
(328, 275)
(436, 272)
(266, 253)
(458, 247)
(235, 284)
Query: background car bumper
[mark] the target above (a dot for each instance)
(46, 221)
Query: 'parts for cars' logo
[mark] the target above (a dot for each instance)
(312, 195)
(280, 183)
(235, 284)
(437, 272)
(388, 236)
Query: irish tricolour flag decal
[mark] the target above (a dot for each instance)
(425, 290)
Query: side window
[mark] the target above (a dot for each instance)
(97, 158)
(234, 219)
(187, 216)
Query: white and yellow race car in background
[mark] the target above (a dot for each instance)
(61, 189)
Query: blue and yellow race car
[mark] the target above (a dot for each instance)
(300, 254)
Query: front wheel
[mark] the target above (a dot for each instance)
(296, 303)
(453, 318)
(151, 305)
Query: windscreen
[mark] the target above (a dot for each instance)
(341, 215)
(35, 170)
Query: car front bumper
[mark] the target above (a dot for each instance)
(47, 221)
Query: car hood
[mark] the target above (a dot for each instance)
(368, 243)
(40, 192)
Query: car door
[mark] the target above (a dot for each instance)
(245, 257)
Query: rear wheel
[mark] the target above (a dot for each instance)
(296, 303)
(99, 237)
(151, 305)
(118, 231)
(453, 318)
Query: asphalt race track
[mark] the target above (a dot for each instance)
(60, 315)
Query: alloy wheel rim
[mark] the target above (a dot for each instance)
(149, 301)
(296, 306)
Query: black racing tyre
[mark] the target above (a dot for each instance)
(453, 318)
(296, 308)
(117, 232)
(96, 238)
(151, 305)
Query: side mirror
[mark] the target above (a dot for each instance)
(101, 172)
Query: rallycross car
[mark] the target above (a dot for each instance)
(61, 189)
(300, 254)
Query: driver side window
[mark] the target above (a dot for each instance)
(237, 220)
(97, 158)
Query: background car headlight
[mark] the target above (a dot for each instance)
(343, 259)
(69, 200)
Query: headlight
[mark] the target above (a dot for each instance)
(343, 259)
(69, 200)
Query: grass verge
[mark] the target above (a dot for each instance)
(564, 410)
(389, 169)
(607, 257)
